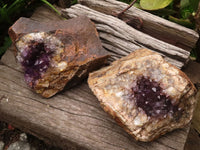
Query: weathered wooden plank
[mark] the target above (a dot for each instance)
(152, 25)
(72, 119)
(120, 38)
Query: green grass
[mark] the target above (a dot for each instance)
(10, 11)
(51, 6)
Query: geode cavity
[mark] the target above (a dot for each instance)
(57, 54)
(146, 95)
(150, 97)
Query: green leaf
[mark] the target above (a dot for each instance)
(154, 4)
(194, 4)
(183, 22)
(4, 6)
(186, 13)
(184, 3)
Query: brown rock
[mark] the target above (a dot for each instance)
(58, 53)
(146, 95)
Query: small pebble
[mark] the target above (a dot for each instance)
(23, 137)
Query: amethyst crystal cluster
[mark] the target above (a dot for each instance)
(57, 54)
(146, 95)
(150, 97)
(35, 55)
(36, 60)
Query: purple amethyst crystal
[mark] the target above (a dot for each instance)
(150, 97)
(35, 60)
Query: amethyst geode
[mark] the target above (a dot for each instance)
(57, 54)
(146, 95)
(151, 98)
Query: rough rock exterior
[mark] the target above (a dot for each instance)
(58, 53)
(146, 95)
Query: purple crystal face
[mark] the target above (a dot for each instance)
(36, 60)
(150, 97)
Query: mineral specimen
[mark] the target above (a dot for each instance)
(146, 95)
(58, 53)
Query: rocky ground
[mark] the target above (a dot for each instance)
(14, 139)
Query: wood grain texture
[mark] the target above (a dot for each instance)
(193, 140)
(121, 39)
(152, 25)
(72, 119)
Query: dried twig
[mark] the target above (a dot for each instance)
(120, 16)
